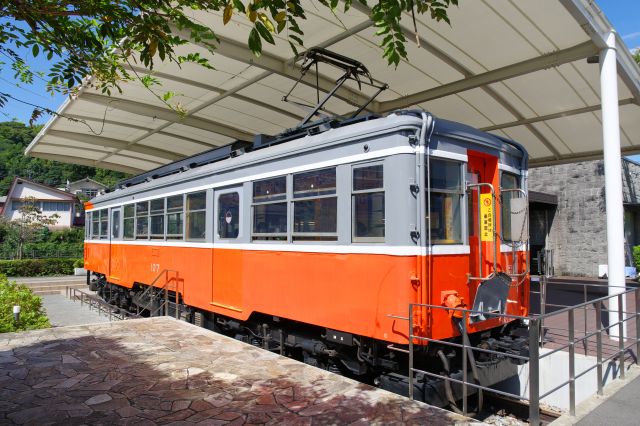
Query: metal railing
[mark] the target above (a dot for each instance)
(153, 292)
(535, 343)
(94, 302)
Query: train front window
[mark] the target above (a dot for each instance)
(142, 220)
(270, 209)
(174, 217)
(157, 219)
(507, 181)
(196, 216)
(446, 202)
(315, 206)
(368, 204)
(95, 225)
(129, 221)
(115, 224)
(229, 215)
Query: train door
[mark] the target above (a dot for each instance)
(484, 244)
(227, 277)
(115, 258)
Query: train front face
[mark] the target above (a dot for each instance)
(476, 217)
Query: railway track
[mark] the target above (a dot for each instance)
(496, 405)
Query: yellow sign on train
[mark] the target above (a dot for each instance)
(487, 221)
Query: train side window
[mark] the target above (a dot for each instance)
(368, 204)
(196, 215)
(95, 225)
(142, 220)
(156, 218)
(270, 209)
(507, 181)
(229, 215)
(115, 224)
(129, 219)
(104, 224)
(446, 201)
(175, 217)
(315, 206)
(87, 226)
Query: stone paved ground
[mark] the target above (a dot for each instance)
(163, 371)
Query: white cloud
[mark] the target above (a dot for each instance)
(631, 36)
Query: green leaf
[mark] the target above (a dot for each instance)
(264, 32)
(35, 50)
(255, 43)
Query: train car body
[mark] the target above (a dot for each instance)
(334, 232)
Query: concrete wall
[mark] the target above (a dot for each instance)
(578, 234)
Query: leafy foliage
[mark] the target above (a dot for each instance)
(37, 267)
(14, 138)
(102, 38)
(32, 315)
(28, 225)
(636, 256)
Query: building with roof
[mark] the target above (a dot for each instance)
(567, 214)
(49, 200)
(86, 188)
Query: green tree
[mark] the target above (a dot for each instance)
(28, 226)
(101, 37)
(32, 314)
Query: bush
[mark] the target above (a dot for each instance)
(32, 316)
(78, 263)
(69, 235)
(636, 257)
(37, 267)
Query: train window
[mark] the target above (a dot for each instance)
(95, 225)
(142, 220)
(115, 224)
(507, 181)
(87, 226)
(104, 224)
(368, 204)
(269, 214)
(315, 206)
(446, 202)
(156, 218)
(196, 215)
(229, 215)
(174, 217)
(129, 218)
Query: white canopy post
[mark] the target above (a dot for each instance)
(613, 180)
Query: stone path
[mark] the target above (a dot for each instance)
(163, 371)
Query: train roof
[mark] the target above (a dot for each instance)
(296, 140)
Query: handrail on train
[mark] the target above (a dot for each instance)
(495, 245)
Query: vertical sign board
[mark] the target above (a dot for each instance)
(487, 221)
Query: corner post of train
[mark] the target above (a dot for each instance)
(613, 178)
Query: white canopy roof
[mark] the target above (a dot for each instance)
(511, 67)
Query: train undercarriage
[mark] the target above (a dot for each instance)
(364, 359)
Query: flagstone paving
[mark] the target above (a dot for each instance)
(164, 371)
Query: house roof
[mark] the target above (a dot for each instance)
(517, 69)
(88, 179)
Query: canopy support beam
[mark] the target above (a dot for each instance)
(613, 180)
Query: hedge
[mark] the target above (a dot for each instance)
(37, 267)
(32, 315)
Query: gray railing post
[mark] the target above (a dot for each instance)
(621, 333)
(599, 346)
(534, 378)
(410, 351)
(464, 364)
(572, 363)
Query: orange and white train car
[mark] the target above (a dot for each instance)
(313, 241)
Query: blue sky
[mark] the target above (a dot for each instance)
(624, 14)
